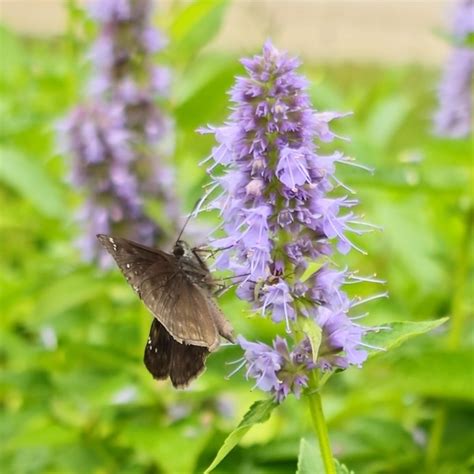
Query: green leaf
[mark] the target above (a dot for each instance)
(312, 268)
(258, 413)
(469, 41)
(386, 119)
(435, 372)
(342, 468)
(68, 292)
(310, 461)
(204, 104)
(29, 179)
(195, 25)
(199, 75)
(176, 452)
(309, 458)
(314, 333)
(40, 431)
(365, 438)
(399, 332)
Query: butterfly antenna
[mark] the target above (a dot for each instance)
(191, 214)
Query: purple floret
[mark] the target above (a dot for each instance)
(275, 368)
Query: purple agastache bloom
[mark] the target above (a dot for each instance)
(454, 116)
(116, 137)
(282, 208)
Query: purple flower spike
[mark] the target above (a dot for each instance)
(272, 193)
(102, 165)
(115, 138)
(454, 116)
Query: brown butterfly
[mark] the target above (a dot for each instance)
(177, 288)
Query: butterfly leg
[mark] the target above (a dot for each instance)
(221, 289)
(204, 248)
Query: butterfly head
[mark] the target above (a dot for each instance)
(182, 249)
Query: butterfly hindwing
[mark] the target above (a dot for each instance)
(187, 362)
(157, 357)
(165, 357)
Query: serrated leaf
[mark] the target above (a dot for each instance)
(398, 332)
(259, 412)
(30, 180)
(314, 334)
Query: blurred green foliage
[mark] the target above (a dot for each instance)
(75, 396)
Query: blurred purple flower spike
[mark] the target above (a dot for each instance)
(100, 145)
(454, 115)
(271, 187)
(116, 137)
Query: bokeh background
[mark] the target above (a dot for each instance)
(75, 396)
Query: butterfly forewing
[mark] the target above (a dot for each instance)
(136, 261)
(185, 311)
(181, 306)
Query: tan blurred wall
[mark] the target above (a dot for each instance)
(360, 30)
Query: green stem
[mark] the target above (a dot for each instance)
(458, 316)
(458, 313)
(319, 423)
(436, 436)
